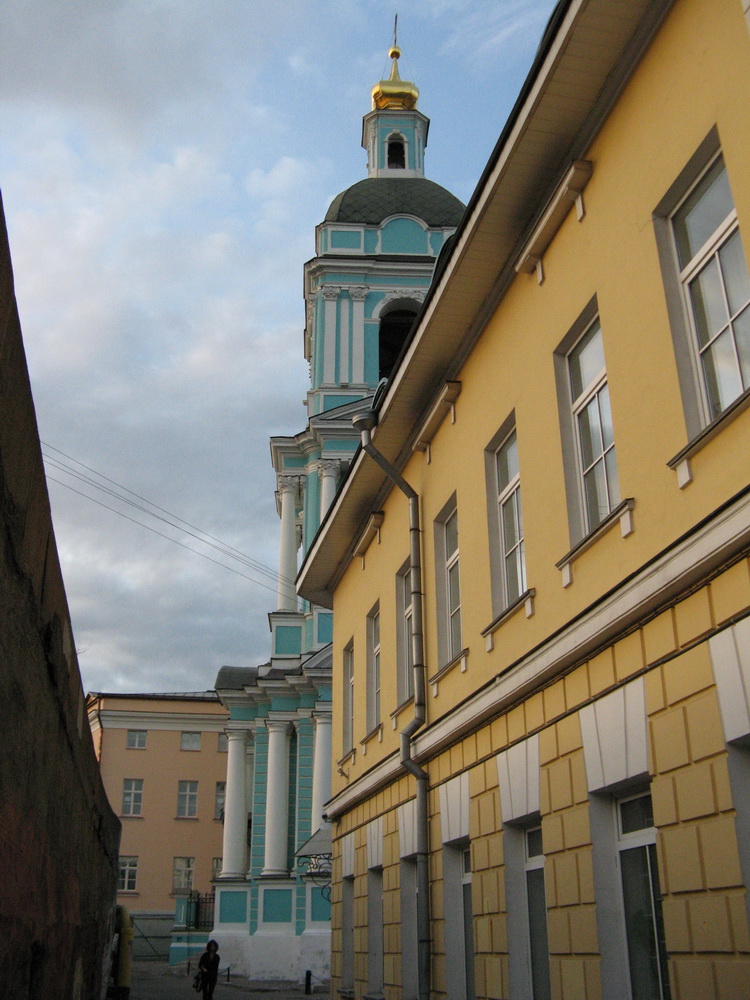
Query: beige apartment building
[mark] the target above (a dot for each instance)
(163, 762)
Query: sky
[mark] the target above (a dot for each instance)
(163, 164)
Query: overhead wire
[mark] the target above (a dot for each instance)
(173, 520)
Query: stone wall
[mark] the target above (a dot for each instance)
(58, 836)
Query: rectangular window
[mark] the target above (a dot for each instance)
(716, 287)
(182, 874)
(459, 921)
(128, 874)
(347, 704)
(187, 799)
(347, 934)
(453, 585)
(536, 902)
(510, 521)
(216, 866)
(448, 583)
(375, 954)
(132, 797)
(190, 741)
(408, 929)
(644, 926)
(221, 791)
(373, 669)
(404, 649)
(222, 743)
(136, 739)
(594, 435)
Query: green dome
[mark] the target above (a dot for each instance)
(375, 198)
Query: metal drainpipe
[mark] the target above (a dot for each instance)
(364, 423)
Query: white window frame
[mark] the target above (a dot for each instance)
(459, 920)
(448, 609)
(589, 393)
(373, 669)
(642, 838)
(508, 495)
(535, 862)
(127, 873)
(404, 647)
(700, 261)
(187, 799)
(222, 743)
(190, 741)
(183, 872)
(136, 739)
(132, 797)
(347, 702)
(220, 798)
(216, 866)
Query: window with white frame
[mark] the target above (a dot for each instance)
(127, 874)
(594, 435)
(347, 934)
(136, 739)
(453, 585)
(536, 903)
(219, 799)
(190, 741)
(375, 949)
(373, 668)
(347, 702)
(714, 277)
(448, 583)
(222, 743)
(510, 521)
(132, 797)
(404, 648)
(459, 920)
(182, 874)
(216, 866)
(187, 799)
(641, 897)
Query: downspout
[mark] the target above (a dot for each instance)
(364, 423)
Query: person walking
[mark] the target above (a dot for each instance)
(209, 969)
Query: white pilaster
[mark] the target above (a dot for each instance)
(328, 471)
(358, 295)
(277, 798)
(234, 864)
(286, 594)
(321, 783)
(330, 297)
(344, 335)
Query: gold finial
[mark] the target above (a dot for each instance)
(394, 92)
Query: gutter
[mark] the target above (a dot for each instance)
(364, 422)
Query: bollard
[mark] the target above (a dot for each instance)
(308, 983)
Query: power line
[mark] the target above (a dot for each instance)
(161, 534)
(172, 520)
(226, 548)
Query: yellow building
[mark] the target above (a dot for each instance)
(163, 762)
(541, 725)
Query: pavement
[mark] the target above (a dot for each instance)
(153, 980)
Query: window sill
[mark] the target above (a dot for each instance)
(526, 600)
(681, 461)
(128, 892)
(462, 659)
(399, 709)
(131, 816)
(190, 819)
(623, 513)
(376, 731)
(349, 758)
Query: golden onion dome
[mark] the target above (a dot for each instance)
(394, 93)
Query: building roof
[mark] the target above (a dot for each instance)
(375, 198)
(158, 696)
(235, 678)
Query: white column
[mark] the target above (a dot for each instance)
(277, 798)
(234, 862)
(321, 783)
(286, 595)
(359, 294)
(330, 297)
(328, 472)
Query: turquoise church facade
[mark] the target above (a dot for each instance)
(375, 256)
